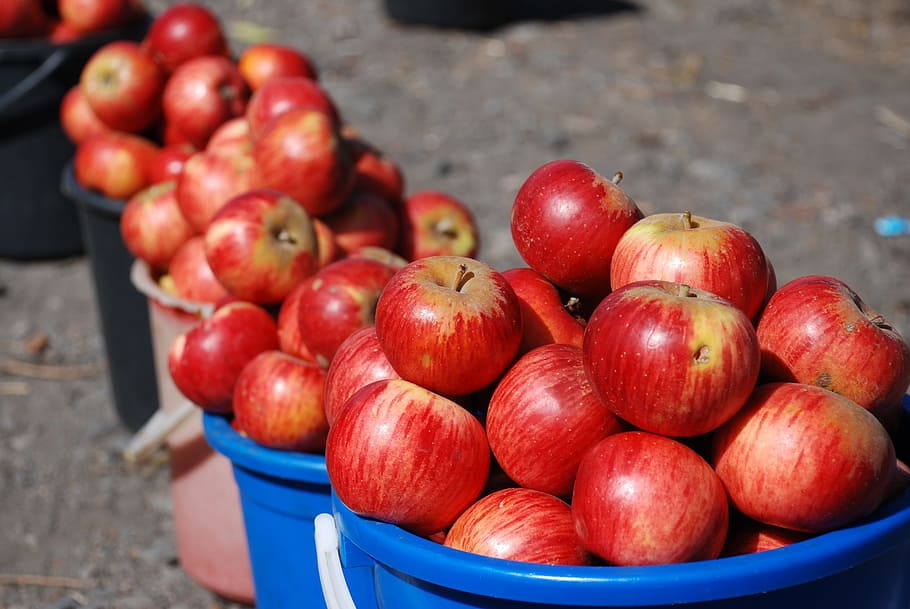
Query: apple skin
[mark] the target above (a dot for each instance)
(87, 16)
(209, 180)
(278, 402)
(205, 361)
(152, 226)
(670, 359)
(338, 300)
(114, 163)
(543, 416)
(22, 19)
(190, 275)
(519, 524)
(123, 86)
(260, 245)
(365, 219)
(437, 224)
(182, 32)
(818, 331)
(232, 137)
(449, 323)
(265, 61)
(402, 454)
(545, 316)
(358, 362)
(290, 340)
(708, 254)
(646, 499)
(376, 172)
(804, 458)
(202, 94)
(169, 162)
(77, 118)
(566, 221)
(379, 253)
(747, 536)
(281, 94)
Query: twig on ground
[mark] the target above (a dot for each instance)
(50, 372)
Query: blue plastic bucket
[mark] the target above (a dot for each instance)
(280, 493)
(866, 566)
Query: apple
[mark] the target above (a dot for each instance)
(329, 250)
(364, 219)
(290, 340)
(114, 163)
(152, 227)
(375, 171)
(402, 454)
(265, 61)
(671, 359)
(260, 245)
(437, 224)
(77, 118)
(169, 162)
(566, 221)
(449, 323)
(519, 524)
(301, 153)
(62, 32)
(278, 402)
(280, 94)
(206, 360)
(182, 32)
(123, 86)
(378, 253)
(708, 254)
(543, 416)
(22, 19)
(232, 137)
(338, 300)
(209, 180)
(358, 361)
(804, 458)
(202, 94)
(646, 499)
(546, 316)
(189, 275)
(87, 16)
(747, 536)
(817, 330)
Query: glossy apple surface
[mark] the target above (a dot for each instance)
(437, 224)
(152, 226)
(546, 315)
(77, 118)
(281, 94)
(209, 180)
(190, 275)
(265, 61)
(182, 32)
(114, 163)
(365, 219)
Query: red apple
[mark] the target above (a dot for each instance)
(543, 416)
(519, 524)
(365, 219)
(566, 221)
(182, 32)
(123, 86)
(22, 19)
(437, 224)
(546, 316)
(804, 458)
(449, 323)
(645, 499)
(202, 94)
(747, 536)
(62, 32)
(376, 172)
(114, 163)
(278, 402)
(205, 361)
(232, 137)
(338, 300)
(77, 118)
(402, 454)
(818, 331)
(301, 153)
(169, 162)
(191, 277)
(260, 245)
(708, 254)
(281, 94)
(209, 180)
(358, 362)
(152, 227)
(265, 61)
(378, 253)
(290, 340)
(671, 359)
(95, 15)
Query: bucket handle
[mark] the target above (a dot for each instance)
(328, 562)
(25, 86)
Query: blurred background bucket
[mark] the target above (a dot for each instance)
(36, 220)
(122, 311)
(281, 492)
(866, 565)
(208, 519)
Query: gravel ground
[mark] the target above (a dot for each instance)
(791, 119)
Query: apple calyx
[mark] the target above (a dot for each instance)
(702, 355)
(462, 277)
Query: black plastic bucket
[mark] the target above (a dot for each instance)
(36, 221)
(122, 310)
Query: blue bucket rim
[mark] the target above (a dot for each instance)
(421, 560)
(246, 453)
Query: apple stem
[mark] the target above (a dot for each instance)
(871, 314)
(686, 218)
(685, 291)
(617, 178)
(462, 277)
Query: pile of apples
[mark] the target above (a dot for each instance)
(63, 21)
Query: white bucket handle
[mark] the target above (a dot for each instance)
(334, 586)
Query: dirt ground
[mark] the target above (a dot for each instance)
(791, 119)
